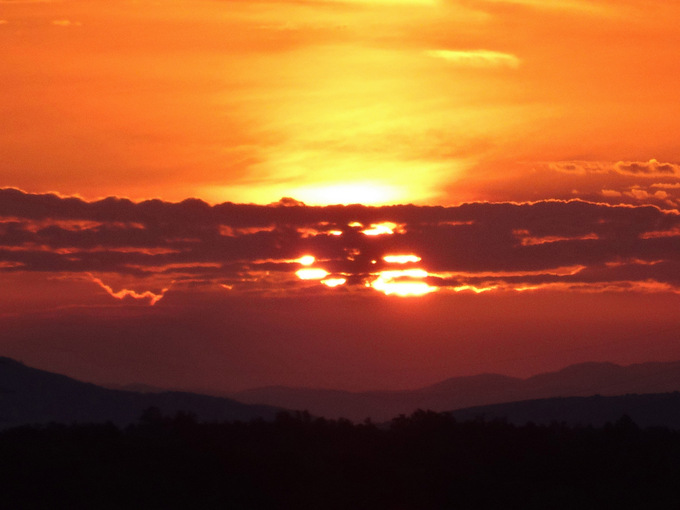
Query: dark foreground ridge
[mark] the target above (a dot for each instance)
(425, 461)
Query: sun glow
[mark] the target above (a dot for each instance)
(334, 282)
(403, 283)
(476, 290)
(404, 273)
(377, 229)
(401, 259)
(311, 273)
(306, 260)
(345, 194)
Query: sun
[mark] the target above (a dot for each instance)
(372, 193)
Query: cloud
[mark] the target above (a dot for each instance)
(146, 248)
(632, 182)
(476, 58)
(579, 167)
(651, 168)
(640, 194)
(124, 293)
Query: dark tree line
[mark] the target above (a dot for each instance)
(424, 461)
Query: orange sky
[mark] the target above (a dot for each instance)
(547, 129)
(433, 101)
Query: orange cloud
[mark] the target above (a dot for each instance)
(651, 168)
(123, 293)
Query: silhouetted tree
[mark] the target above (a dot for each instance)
(424, 461)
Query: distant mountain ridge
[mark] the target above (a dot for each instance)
(575, 394)
(584, 379)
(32, 396)
(647, 410)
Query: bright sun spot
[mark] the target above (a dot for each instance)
(401, 259)
(345, 194)
(405, 273)
(377, 229)
(334, 282)
(311, 273)
(306, 260)
(393, 282)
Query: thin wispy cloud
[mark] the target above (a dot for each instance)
(477, 58)
(651, 168)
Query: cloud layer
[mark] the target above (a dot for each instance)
(141, 249)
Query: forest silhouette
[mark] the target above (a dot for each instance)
(426, 460)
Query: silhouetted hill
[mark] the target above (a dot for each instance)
(31, 396)
(426, 461)
(584, 379)
(138, 388)
(650, 410)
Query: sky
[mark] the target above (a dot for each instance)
(218, 195)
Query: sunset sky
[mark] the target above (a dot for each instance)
(218, 195)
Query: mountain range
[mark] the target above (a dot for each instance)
(587, 394)
(647, 410)
(585, 379)
(32, 396)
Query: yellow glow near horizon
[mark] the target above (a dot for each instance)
(395, 2)
(311, 273)
(397, 183)
(401, 259)
(306, 260)
(371, 193)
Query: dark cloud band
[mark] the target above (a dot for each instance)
(242, 246)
